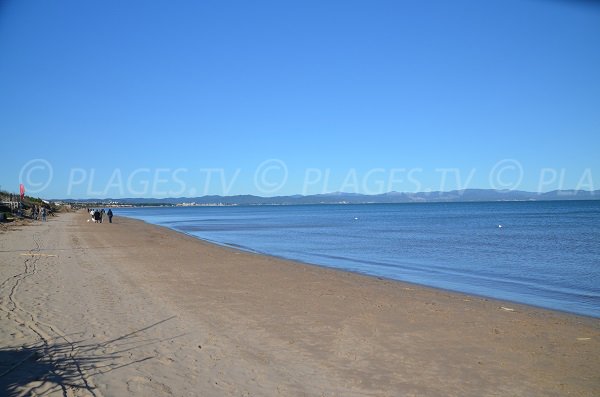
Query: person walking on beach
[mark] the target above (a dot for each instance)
(96, 216)
(110, 215)
(43, 211)
(101, 214)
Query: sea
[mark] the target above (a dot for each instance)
(545, 254)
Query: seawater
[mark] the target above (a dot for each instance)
(545, 254)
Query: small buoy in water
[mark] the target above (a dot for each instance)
(499, 226)
(355, 218)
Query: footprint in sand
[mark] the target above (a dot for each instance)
(144, 386)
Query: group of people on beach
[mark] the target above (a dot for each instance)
(98, 214)
(39, 213)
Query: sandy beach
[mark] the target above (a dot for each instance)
(131, 309)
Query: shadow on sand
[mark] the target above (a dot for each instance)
(59, 365)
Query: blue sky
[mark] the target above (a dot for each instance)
(178, 98)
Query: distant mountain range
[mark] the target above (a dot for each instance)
(467, 195)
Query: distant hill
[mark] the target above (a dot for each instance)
(467, 195)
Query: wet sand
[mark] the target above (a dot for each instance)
(134, 309)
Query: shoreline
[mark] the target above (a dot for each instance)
(364, 274)
(137, 205)
(170, 314)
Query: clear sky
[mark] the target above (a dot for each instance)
(184, 98)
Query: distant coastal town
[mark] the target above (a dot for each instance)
(10, 201)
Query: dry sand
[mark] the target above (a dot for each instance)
(133, 309)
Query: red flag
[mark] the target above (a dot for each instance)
(22, 190)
